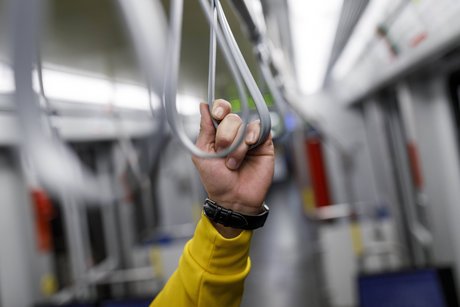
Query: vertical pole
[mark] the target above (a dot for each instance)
(16, 238)
(75, 244)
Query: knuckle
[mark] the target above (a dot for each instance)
(239, 154)
(254, 127)
(234, 118)
(225, 140)
(256, 123)
(223, 103)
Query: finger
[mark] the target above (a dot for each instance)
(227, 131)
(253, 133)
(220, 109)
(264, 149)
(235, 158)
(207, 131)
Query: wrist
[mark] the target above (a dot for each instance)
(230, 232)
(231, 219)
(239, 206)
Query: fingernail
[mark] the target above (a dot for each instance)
(218, 112)
(251, 137)
(232, 164)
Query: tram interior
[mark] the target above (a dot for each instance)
(100, 195)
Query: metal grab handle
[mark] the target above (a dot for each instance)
(56, 166)
(238, 69)
(212, 61)
(172, 78)
(258, 36)
(261, 106)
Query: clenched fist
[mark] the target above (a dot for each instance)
(241, 180)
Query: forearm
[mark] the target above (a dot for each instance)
(216, 261)
(212, 269)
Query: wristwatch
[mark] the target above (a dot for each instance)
(230, 218)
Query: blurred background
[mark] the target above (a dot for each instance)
(98, 195)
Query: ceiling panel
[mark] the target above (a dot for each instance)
(89, 35)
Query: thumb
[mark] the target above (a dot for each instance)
(207, 134)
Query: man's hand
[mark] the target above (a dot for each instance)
(241, 180)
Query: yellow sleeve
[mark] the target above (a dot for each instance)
(211, 271)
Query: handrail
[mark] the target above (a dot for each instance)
(257, 35)
(57, 167)
(261, 106)
(172, 78)
(212, 61)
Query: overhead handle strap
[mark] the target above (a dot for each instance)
(172, 79)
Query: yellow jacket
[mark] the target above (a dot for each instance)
(211, 271)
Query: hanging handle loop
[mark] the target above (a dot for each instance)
(172, 78)
(259, 101)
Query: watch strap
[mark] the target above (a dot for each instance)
(230, 218)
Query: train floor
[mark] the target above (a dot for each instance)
(285, 271)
